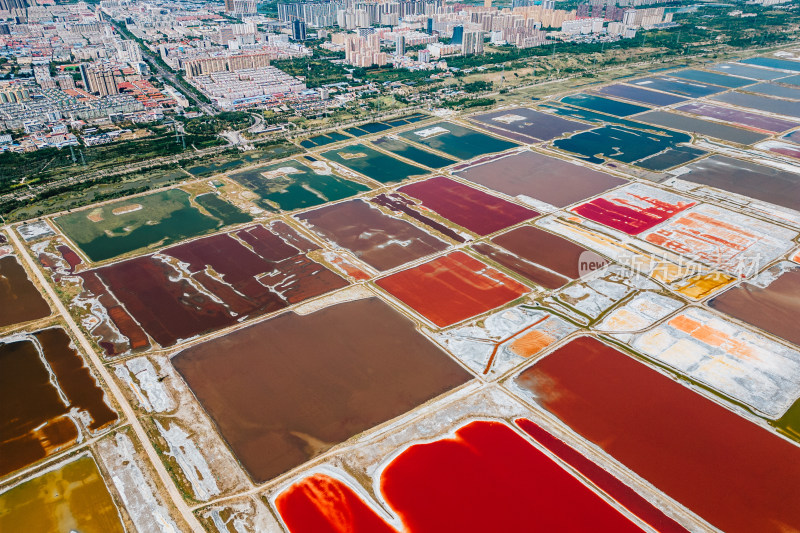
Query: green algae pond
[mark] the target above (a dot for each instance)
(291, 185)
(224, 163)
(374, 164)
(412, 153)
(367, 129)
(323, 139)
(377, 127)
(157, 219)
(457, 141)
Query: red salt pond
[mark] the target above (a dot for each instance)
(470, 208)
(629, 212)
(322, 504)
(69, 255)
(348, 268)
(486, 478)
(615, 488)
(734, 474)
(452, 288)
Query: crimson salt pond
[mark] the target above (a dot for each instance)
(731, 472)
(479, 480)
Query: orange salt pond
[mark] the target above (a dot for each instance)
(504, 339)
(740, 364)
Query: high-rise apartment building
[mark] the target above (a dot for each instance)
(8, 5)
(473, 43)
(458, 35)
(298, 30)
(65, 81)
(98, 79)
(240, 8)
(314, 14)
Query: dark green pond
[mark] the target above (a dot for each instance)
(374, 164)
(296, 190)
(159, 219)
(458, 141)
(417, 155)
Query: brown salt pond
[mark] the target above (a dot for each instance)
(549, 250)
(20, 301)
(527, 125)
(779, 187)
(71, 498)
(42, 379)
(528, 270)
(771, 301)
(733, 473)
(381, 241)
(541, 177)
(319, 380)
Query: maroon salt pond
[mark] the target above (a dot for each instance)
(470, 208)
(773, 307)
(733, 473)
(541, 177)
(398, 202)
(532, 248)
(743, 118)
(380, 240)
(221, 281)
